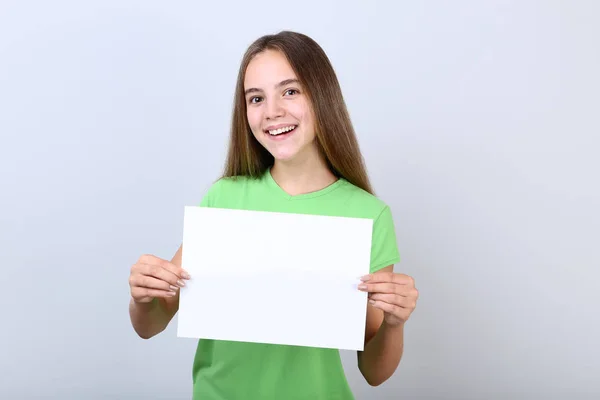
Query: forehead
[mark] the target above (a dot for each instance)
(268, 69)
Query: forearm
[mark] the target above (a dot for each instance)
(148, 319)
(382, 354)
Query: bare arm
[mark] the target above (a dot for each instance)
(382, 353)
(384, 342)
(155, 287)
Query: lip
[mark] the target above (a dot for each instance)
(273, 127)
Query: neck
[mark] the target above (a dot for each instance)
(302, 175)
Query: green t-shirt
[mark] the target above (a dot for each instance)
(228, 370)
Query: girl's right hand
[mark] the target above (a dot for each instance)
(153, 277)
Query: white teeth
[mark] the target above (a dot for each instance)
(281, 130)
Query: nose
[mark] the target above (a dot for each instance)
(274, 109)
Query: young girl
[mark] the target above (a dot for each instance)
(292, 149)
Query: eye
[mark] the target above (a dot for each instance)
(291, 92)
(255, 99)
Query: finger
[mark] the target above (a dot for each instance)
(157, 271)
(388, 298)
(142, 292)
(397, 300)
(174, 269)
(153, 260)
(386, 287)
(400, 290)
(391, 277)
(150, 282)
(387, 307)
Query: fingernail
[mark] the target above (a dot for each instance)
(181, 283)
(362, 286)
(371, 302)
(185, 275)
(365, 278)
(171, 294)
(173, 288)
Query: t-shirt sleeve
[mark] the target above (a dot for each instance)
(384, 248)
(208, 199)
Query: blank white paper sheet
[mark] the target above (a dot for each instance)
(275, 278)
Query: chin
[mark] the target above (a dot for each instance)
(284, 156)
(286, 149)
(283, 151)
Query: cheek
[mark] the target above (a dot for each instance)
(254, 120)
(306, 118)
(303, 113)
(298, 110)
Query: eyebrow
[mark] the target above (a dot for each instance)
(280, 84)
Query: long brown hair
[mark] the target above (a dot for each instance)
(335, 135)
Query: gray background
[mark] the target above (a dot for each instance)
(480, 125)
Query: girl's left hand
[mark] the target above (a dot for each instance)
(393, 293)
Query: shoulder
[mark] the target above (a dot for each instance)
(226, 187)
(363, 202)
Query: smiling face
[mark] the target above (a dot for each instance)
(278, 110)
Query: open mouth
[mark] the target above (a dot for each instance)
(282, 132)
